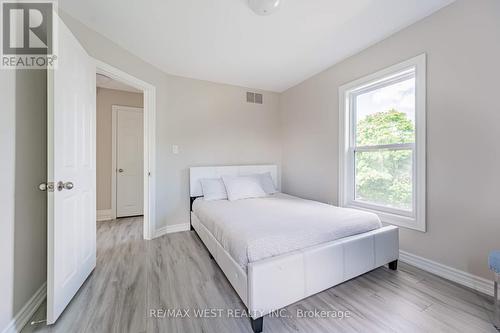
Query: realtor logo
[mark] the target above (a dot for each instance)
(28, 34)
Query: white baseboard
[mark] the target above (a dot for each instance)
(168, 229)
(105, 215)
(27, 311)
(466, 279)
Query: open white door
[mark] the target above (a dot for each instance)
(71, 253)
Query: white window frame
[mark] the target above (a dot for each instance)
(416, 218)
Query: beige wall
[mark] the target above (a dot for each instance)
(463, 123)
(106, 98)
(23, 225)
(211, 123)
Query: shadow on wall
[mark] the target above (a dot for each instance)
(30, 226)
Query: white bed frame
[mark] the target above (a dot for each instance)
(271, 284)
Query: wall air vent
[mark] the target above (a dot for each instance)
(254, 98)
(250, 97)
(258, 98)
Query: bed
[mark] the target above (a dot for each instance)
(279, 249)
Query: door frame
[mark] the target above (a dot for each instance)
(149, 112)
(114, 122)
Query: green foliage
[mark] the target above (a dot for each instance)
(383, 128)
(384, 176)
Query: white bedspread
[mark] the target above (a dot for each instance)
(255, 229)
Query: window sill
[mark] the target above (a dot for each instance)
(413, 223)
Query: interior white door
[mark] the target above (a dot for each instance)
(129, 162)
(71, 238)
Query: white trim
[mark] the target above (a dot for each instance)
(149, 93)
(27, 311)
(418, 219)
(114, 122)
(105, 215)
(168, 229)
(113, 162)
(395, 146)
(466, 279)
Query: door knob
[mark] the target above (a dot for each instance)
(120, 170)
(61, 186)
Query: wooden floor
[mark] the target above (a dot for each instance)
(134, 277)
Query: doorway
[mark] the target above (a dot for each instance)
(131, 169)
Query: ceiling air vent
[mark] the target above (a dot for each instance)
(254, 98)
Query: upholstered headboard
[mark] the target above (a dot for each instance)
(197, 173)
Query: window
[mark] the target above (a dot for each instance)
(382, 144)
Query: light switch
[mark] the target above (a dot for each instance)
(175, 149)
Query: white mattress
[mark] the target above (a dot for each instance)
(256, 229)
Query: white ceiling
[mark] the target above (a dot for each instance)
(103, 81)
(224, 41)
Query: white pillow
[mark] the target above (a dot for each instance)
(243, 187)
(213, 189)
(267, 183)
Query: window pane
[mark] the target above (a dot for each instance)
(384, 177)
(386, 115)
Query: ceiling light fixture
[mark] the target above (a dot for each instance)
(264, 7)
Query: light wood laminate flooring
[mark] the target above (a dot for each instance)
(134, 277)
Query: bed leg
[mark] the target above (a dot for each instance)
(210, 255)
(191, 227)
(257, 324)
(393, 265)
